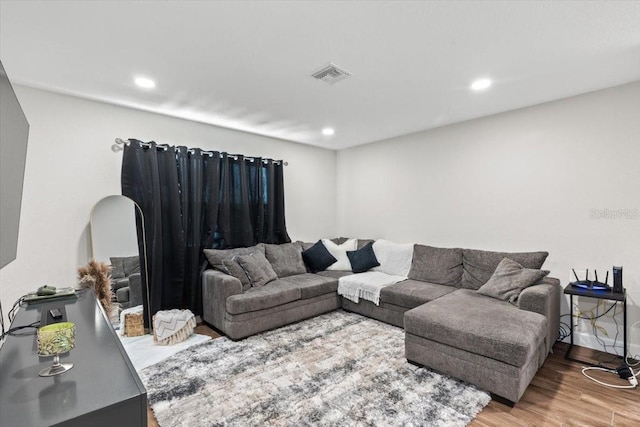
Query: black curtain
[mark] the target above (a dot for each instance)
(251, 202)
(193, 200)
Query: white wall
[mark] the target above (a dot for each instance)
(70, 167)
(523, 180)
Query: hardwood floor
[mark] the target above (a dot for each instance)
(559, 395)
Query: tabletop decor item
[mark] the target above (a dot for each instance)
(53, 340)
(95, 275)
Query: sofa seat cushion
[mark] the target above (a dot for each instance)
(119, 283)
(412, 293)
(312, 285)
(334, 273)
(272, 294)
(481, 325)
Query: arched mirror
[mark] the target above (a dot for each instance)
(114, 241)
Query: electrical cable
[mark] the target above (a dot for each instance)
(627, 356)
(14, 309)
(12, 331)
(1, 319)
(633, 381)
(11, 315)
(565, 329)
(577, 316)
(595, 330)
(592, 319)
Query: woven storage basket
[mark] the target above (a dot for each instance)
(133, 325)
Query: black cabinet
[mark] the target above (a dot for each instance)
(102, 388)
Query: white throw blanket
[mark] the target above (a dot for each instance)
(366, 285)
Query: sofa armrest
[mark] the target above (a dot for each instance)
(544, 298)
(216, 288)
(135, 289)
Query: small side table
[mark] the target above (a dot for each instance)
(597, 294)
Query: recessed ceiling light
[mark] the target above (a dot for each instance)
(481, 84)
(328, 131)
(145, 82)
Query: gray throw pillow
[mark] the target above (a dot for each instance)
(124, 266)
(339, 240)
(234, 269)
(305, 245)
(509, 279)
(286, 259)
(257, 268)
(117, 267)
(364, 242)
(442, 266)
(131, 265)
(216, 256)
(478, 266)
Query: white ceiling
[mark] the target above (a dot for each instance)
(247, 65)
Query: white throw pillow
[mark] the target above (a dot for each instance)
(340, 253)
(394, 258)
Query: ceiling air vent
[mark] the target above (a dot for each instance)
(330, 74)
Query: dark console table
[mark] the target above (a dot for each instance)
(102, 388)
(572, 290)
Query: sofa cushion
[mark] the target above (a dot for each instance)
(215, 256)
(363, 259)
(339, 252)
(313, 285)
(339, 240)
(124, 266)
(257, 268)
(232, 268)
(272, 294)
(122, 294)
(317, 257)
(437, 265)
(286, 259)
(479, 324)
(364, 242)
(509, 280)
(412, 293)
(119, 283)
(117, 268)
(478, 266)
(394, 258)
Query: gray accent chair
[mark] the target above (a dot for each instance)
(126, 281)
(449, 326)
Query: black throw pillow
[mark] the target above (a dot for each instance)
(318, 258)
(363, 259)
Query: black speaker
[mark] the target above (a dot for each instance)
(617, 279)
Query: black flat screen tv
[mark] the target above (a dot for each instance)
(14, 135)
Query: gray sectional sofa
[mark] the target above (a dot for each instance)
(450, 326)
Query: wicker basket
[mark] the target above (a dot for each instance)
(133, 325)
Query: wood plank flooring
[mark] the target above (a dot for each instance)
(559, 395)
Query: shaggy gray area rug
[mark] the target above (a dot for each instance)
(338, 369)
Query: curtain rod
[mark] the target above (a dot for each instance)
(118, 146)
